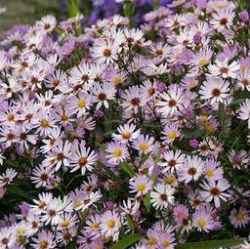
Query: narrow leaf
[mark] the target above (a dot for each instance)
(126, 242)
(211, 244)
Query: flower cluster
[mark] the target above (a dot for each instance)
(108, 131)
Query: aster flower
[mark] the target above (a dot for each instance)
(162, 196)
(170, 102)
(191, 169)
(110, 224)
(103, 93)
(215, 191)
(244, 111)
(144, 144)
(239, 218)
(215, 90)
(172, 160)
(45, 240)
(82, 158)
(202, 220)
(116, 152)
(140, 185)
(126, 133)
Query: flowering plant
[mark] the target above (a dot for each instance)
(114, 136)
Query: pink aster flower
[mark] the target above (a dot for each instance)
(140, 185)
(215, 191)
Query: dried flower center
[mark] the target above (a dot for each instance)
(216, 92)
(44, 177)
(82, 161)
(171, 163)
(215, 191)
(102, 96)
(224, 70)
(107, 52)
(164, 197)
(223, 21)
(172, 103)
(192, 171)
(135, 101)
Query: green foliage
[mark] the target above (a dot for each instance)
(126, 242)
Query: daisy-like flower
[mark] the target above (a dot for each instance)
(180, 213)
(81, 77)
(116, 152)
(222, 19)
(79, 104)
(162, 196)
(243, 111)
(212, 170)
(133, 99)
(82, 158)
(44, 123)
(202, 220)
(110, 224)
(245, 245)
(215, 191)
(126, 133)
(170, 133)
(144, 144)
(239, 218)
(41, 176)
(172, 160)
(215, 90)
(103, 93)
(7, 177)
(46, 24)
(59, 156)
(191, 169)
(224, 69)
(41, 204)
(105, 51)
(170, 102)
(140, 184)
(44, 240)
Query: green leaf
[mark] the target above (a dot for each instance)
(127, 168)
(73, 9)
(129, 9)
(147, 203)
(126, 242)
(211, 244)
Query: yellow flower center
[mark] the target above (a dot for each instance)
(201, 223)
(144, 146)
(43, 244)
(20, 230)
(110, 223)
(44, 123)
(209, 172)
(239, 216)
(172, 135)
(81, 103)
(117, 152)
(140, 187)
(64, 223)
(94, 225)
(117, 80)
(170, 180)
(152, 241)
(202, 62)
(165, 243)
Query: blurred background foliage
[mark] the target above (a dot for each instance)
(26, 11)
